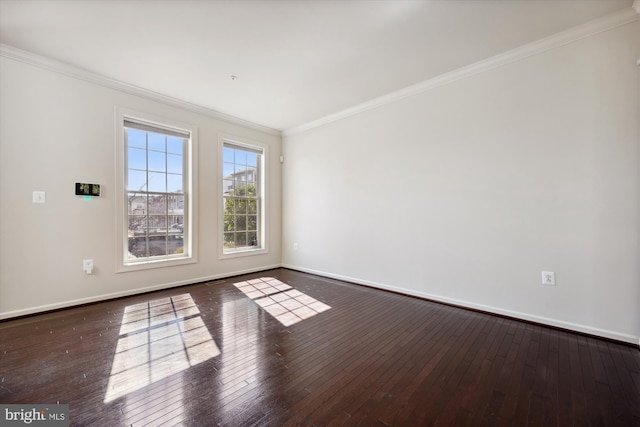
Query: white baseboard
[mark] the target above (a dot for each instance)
(103, 297)
(495, 310)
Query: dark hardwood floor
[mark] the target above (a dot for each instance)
(286, 348)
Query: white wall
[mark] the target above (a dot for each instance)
(465, 192)
(57, 130)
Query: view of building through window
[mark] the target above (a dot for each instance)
(242, 199)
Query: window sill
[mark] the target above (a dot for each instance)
(156, 263)
(243, 253)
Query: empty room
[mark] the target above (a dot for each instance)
(320, 212)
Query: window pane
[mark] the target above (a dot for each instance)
(176, 228)
(229, 206)
(137, 247)
(227, 186)
(157, 142)
(136, 180)
(158, 205)
(137, 208)
(229, 223)
(175, 144)
(137, 204)
(241, 240)
(252, 159)
(252, 207)
(174, 183)
(241, 223)
(176, 208)
(175, 245)
(252, 222)
(174, 163)
(241, 172)
(157, 161)
(157, 182)
(241, 207)
(227, 154)
(136, 138)
(157, 245)
(229, 240)
(240, 188)
(137, 159)
(157, 224)
(241, 157)
(227, 169)
(252, 238)
(177, 202)
(137, 225)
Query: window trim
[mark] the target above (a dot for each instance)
(264, 196)
(191, 195)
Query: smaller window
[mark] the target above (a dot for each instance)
(242, 198)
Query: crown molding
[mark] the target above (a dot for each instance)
(89, 76)
(595, 26)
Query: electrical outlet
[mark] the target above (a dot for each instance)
(295, 246)
(549, 278)
(39, 197)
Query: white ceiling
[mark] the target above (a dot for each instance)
(295, 61)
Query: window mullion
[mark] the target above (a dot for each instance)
(166, 197)
(148, 222)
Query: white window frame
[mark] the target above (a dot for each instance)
(263, 204)
(189, 255)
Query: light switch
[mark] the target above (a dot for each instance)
(87, 266)
(39, 197)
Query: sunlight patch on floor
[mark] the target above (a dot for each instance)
(158, 338)
(289, 306)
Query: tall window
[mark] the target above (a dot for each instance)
(242, 197)
(156, 184)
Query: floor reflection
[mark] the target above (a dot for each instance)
(241, 364)
(287, 305)
(157, 339)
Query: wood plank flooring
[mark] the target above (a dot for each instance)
(283, 348)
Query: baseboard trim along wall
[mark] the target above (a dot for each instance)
(437, 298)
(105, 297)
(490, 309)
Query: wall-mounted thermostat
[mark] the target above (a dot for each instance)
(83, 189)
